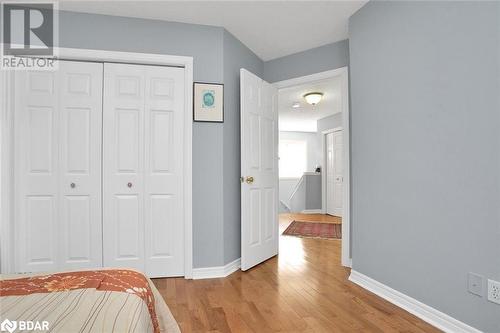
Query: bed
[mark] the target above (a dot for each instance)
(107, 300)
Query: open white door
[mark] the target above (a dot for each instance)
(259, 170)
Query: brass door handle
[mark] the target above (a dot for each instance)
(249, 180)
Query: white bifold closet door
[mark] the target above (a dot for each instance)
(57, 163)
(142, 168)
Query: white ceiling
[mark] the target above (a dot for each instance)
(304, 118)
(271, 29)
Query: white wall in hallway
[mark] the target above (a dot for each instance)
(313, 146)
(314, 158)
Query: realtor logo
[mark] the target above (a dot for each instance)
(28, 30)
(8, 326)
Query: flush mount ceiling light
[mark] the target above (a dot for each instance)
(296, 105)
(313, 98)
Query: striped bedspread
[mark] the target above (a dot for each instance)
(86, 301)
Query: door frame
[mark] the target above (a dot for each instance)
(324, 162)
(343, 74)
(7, 141)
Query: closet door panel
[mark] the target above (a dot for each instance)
(80, 164)
(164, 227)
(123, 166)
(57, 129)
(77, 232)
(128, 227)
(36, 170)
(143, 176)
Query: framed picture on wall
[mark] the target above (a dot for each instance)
(208, 102)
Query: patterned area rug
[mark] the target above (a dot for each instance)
(314, 230)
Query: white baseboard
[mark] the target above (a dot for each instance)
(348, 263)
(312, 211)
(432, 316)
(217, 271)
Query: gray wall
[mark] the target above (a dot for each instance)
(306, 193)
(308, 62)
(236, 56)
(313, 192)
(426, 150)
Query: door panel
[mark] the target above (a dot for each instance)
(268, 162)
(269, 212)
(78, 140)
(128, 140)
(143, 140)
(129, 230)
(79, 229)
(40, 246)
(338, 178)
(57, 129)
(123, 165)
(255, 217)
(41, 144)
(80, 115)
(162, 222)
(254, 141)
(162, 129)
(36, 166)
(163, 171)
(259, 159)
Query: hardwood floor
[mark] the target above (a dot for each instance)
(304, 289)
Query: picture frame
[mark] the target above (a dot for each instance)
(208, 102)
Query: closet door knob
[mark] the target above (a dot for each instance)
(129, 185)
(72, 185)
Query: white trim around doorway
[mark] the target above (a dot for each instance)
(6, 142)
(343, 74)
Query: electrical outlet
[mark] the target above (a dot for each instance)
(494, 291)
(475, 284)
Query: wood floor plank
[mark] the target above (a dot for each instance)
(304, 289)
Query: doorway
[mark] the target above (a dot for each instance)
(330, 165)
(261, 170)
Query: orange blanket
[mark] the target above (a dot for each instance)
(120, 280)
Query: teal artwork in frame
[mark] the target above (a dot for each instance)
(208, 102)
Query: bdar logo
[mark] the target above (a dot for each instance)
(8, 325)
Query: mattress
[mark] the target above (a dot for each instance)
(108, 300)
